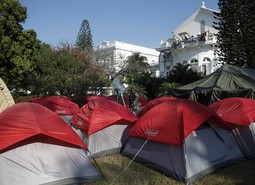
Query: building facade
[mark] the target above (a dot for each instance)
(193, 42)
(115, 53)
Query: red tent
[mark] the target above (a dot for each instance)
(98, 114)
(25, 123)
(235, 111)
(94, 97)
(153, 103)
(61, 105)
(172, 121)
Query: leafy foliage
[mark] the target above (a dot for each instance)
(183, 74)
(151, 84)
(134, 65)
(67, 71)
(165, 88)
(18, 47)
(236, 36)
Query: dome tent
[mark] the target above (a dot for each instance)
(61, 105)
(239, 114)
(152, 103)
(38, 147)
(103, 125)
(182, 139)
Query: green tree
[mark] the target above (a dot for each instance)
(150, 83)
(18, 47)
(165, 88)
(236, 36)
(67, 71)
(183, 74)
(84, 38)
(139, 89)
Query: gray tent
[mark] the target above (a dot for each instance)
(181, 139)
(41, 163)
(239, 114)
(103, 125)
(38, 147)
(203, 152)
(227, 81)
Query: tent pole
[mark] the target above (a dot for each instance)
(96, 164)
(123, 101)
(135, 156)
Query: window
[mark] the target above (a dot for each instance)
(206, 59)
(202, 26)
(184, 62)
(194, 61)
(194, 64)
(204, 69)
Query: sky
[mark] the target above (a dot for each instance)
(139, 22)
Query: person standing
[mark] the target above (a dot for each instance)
(133, 100)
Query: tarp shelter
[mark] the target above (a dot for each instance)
(182, 139)
(239, 114)
(6, 99)
(227, 81)
(151, 104)
(38, 147)
(61, 105)
(103, 125)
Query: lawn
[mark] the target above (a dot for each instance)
(115, 171)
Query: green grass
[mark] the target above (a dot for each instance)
(113, 167)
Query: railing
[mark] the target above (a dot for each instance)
(204, 38)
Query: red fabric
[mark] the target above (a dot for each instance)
(141, 101)
(58, 104)
(94, 97)
(31, 122)
(153, 103)
(235, 111)
(99, 114)
(172, 121)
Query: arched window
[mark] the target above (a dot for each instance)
(193, 61)
(206, 59)
(194, 64)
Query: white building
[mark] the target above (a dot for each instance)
(115, 54)
(192, 43)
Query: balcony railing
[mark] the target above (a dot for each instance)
(200, 39)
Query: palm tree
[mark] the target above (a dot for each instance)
(140, 90)
(165, 88)
(183, 74)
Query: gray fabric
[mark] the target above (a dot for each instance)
(107, 141)
(207, 150)
(164, 158)
(67, 118)
(40, 163)
(244, 136)
(203, 151)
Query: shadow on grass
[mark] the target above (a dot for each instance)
(113, 168)
(136, 174)
(238, 174)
